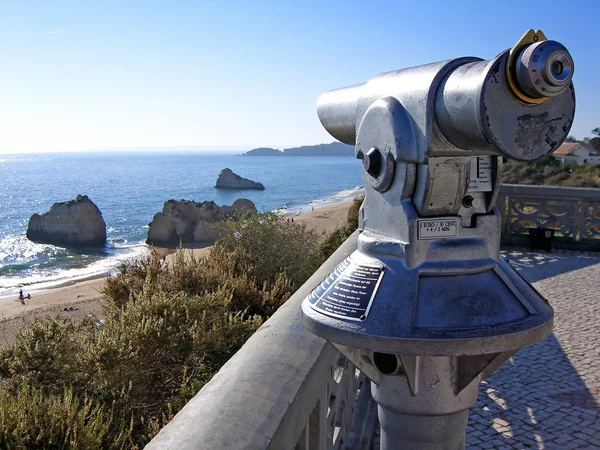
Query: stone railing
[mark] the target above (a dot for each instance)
(573, 214)
(284, 389)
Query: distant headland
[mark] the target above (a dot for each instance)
(333, 149)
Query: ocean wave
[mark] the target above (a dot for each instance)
(41, 266)
(349, 194)
(17, 249)
(339, 197)
(10, 269)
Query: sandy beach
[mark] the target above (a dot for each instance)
(85, 296)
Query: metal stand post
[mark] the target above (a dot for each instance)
(405, 432)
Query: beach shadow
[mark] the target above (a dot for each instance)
(539, 265)
(194, 245)
(537, 399)
(548, 394)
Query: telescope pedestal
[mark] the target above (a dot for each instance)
(408, 432)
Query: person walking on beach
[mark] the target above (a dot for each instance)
(21, 296)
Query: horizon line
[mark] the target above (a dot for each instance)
(191, 148)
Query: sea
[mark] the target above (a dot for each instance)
(129, 188)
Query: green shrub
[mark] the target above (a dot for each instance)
(267, 245)
(161, 340)
(46, 354)
(340, 234)
(30, 419)
(261, 259)
(549, 171)
(168, 329)
(556, 179)
(352, 218)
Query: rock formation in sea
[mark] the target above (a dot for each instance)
(191, 222)
(75, 223)
(229, 180)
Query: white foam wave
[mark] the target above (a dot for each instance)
(339, 197)
(35, 280)
(19, 249)
(350, 194)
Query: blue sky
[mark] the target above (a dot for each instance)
(88, 75)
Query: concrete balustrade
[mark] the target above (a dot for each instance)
(572, 214)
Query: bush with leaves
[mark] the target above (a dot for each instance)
(267, 245)
(168, 329)
(550, 172)
(31, 419)
(340, 234)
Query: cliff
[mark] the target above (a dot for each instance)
(333, 149)
(264, 152)
(191, 222)
(75, 223)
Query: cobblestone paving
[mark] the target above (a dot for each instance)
(547, 396)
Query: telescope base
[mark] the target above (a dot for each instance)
(410, 432)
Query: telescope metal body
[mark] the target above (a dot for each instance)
(426, 307)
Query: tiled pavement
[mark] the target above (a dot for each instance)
(548, 394)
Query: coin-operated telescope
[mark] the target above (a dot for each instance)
(425, 306)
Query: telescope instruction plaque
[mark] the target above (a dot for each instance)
(348, 291)
(480, 176)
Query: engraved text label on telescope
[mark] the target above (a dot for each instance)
(480, 177)
(348, 291)
(437, 228)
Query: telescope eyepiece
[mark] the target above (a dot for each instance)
(544, 69)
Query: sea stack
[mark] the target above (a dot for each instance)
(229, 180)
(75, 223)
(191, 222)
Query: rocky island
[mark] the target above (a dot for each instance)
(230, 180)
(264, 151)
(190, 222)
(333, 149)
(75, 223)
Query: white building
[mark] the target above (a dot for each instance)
(578, 152)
